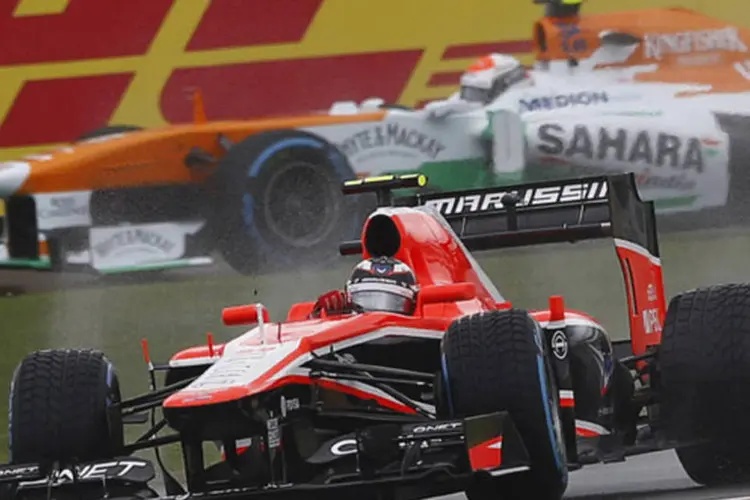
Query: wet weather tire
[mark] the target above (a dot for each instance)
(496, 362)
(58, 407)
(705, 381)
(279, 202)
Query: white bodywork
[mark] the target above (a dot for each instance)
(599, 122)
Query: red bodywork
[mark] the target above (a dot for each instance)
(426, 243)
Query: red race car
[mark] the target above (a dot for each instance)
(418, 378)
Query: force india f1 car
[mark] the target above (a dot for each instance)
(663, 93)
(467, 393)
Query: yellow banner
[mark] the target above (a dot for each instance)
(69, 66)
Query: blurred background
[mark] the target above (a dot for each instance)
(71, 66)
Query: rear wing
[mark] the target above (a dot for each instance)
(566, 210)
(528, 214)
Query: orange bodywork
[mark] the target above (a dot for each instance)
(686, 46)
(153, 156)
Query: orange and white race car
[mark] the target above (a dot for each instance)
(660, 93)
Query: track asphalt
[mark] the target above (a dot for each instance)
(653, 476)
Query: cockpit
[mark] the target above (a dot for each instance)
(490, 77)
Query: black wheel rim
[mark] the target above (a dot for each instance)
(301, 204)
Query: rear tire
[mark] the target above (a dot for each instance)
(59, 402)
(496, 362)
(279, 202)
(705, 381)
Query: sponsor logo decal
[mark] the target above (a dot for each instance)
(383, 140)
(127, 470)
(587, 98)
(559, 344)
(242, 363)
(101, 470)
(334, 448)
(649, 148)
(700, 59)
(651, 292)
(127, 239)
(571, 38)
(63, 206)
(119, 246)
(492, 201)
(344, 447)
(645, 179)
(292, 404)
(63, 210)
(229, 372)
(13, 472)
(651, 322)
(274, 433)
(656, 46)
(437, 428)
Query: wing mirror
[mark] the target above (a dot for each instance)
(454, 292)
(244, 315)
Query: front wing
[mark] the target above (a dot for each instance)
(432, 457)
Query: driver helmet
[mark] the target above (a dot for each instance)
(489, 77)
(383, 284)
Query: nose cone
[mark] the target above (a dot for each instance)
(12, 176)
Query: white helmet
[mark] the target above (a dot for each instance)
(490, 76)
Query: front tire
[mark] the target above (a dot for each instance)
(496, 361)
(705, 382)
(59, 402)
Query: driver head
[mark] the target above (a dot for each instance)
(383, 284)
(490, 76)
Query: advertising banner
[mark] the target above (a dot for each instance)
(71, 66)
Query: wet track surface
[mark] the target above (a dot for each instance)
(657, 476)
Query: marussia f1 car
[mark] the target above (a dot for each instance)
(666, 98)
(466, 393)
